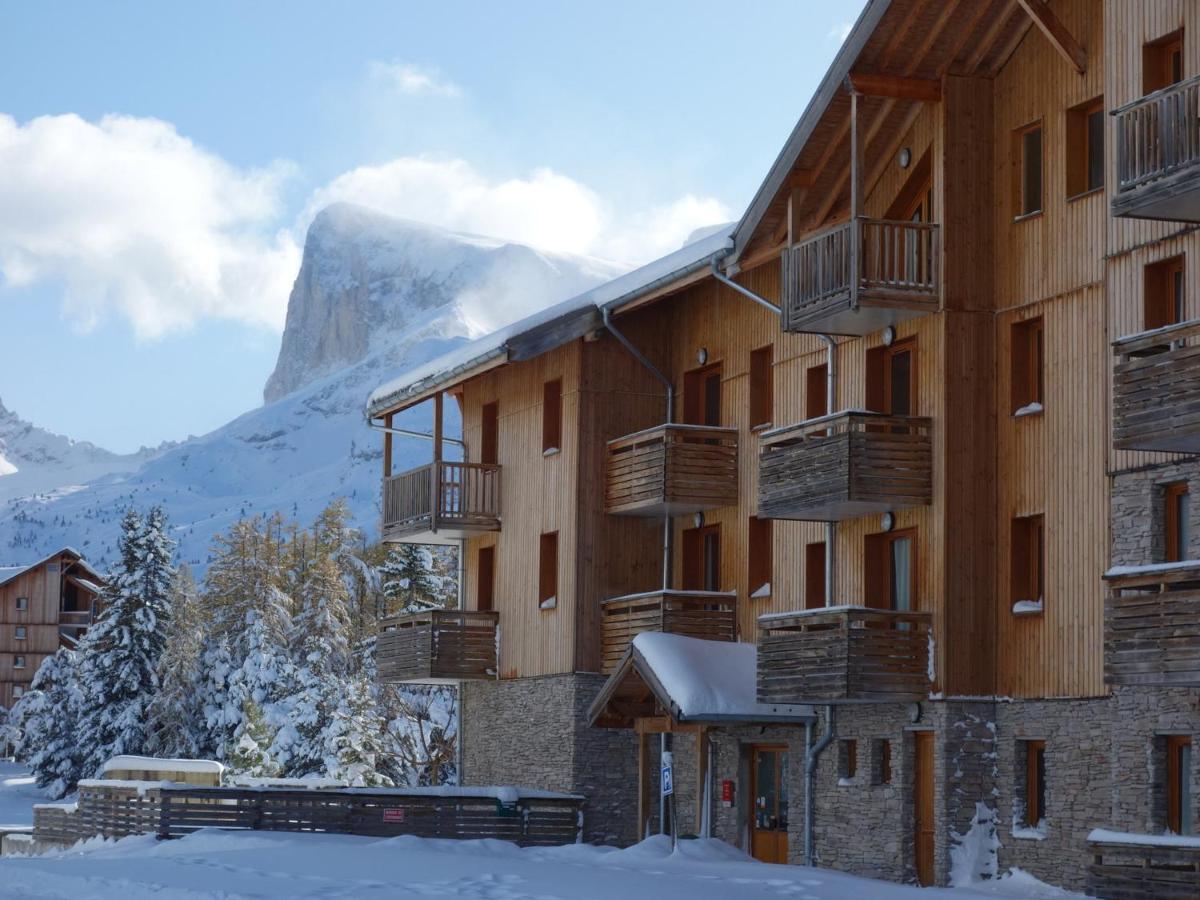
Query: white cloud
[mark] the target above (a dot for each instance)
(841, 31)
(545, 209)
(134, 219)
(411, 79)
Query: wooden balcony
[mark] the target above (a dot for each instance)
(709, 615)
(672, 470)
(845, 654)
(845, 465)
(1158, 155)
(72, 624)
(443, 500)
(1156, 389)
(1152, 625)
(438, 645)
(859, 277)
(1149, 867)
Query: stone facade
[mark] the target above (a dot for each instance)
(533, 732)
(1138, 528)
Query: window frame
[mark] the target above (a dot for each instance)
(1021, 169)
(816, 391)
(485, 589)
(1164, 293)
(1079, 149)
(20, 633)
(22, 604)
(1027, 559)
(18, 691)
(552, 416)
(1173, 534)
(1027, 366)
(1035, 783)
(1179, 785)
(489, 433)
(878, 577)
(1158, 57)
(848, 759)
(548, 570)
(693, 562)
(814, 575)
(18, 661)
(762, 386)
(760, 557)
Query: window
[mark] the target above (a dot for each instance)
(1176, 514)
(18, 662)
(848, 761)
(1035, 783)
(892, 379)
(552, 415)
(22, 604)
(1085, 147)
(816, 392)
(1162, 62)
(20, 632)
(548, 571)
(702, 558)
(884, 755)
(1028, 565)
(1027, 170)
(1163, 299)
(18, 691)
(485, 585)
(814, 575)
(702, 396)
(489, 434)
(1179, 783)
(1027, 360)
(762, 387)
(891, 570)
(760, 556)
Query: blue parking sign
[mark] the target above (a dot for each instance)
(667, 776)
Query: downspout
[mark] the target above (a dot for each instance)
(650, 367)
(810, 777)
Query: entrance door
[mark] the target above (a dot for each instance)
(702, 396)
(769, 817)
(923, 806)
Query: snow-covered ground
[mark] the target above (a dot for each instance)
(270, 865)
(18, 793)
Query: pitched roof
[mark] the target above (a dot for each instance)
(8, 573)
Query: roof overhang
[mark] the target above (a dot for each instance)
(76, 560)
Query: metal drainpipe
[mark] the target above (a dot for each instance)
(650, 367)
(810, 777)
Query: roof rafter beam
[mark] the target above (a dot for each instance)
(1059, 36)
(896, 87)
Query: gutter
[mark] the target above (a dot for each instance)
(811, 756)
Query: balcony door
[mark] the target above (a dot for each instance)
(702, 396)
(485, 587)
(769, 818)
(891, 570)
(892, 379)
(489, 434)
(702, 558)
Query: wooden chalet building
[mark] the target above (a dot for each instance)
(919, 430)
(43, 606)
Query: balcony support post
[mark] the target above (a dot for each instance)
(857, 152)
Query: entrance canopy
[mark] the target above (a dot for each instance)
(689, 682)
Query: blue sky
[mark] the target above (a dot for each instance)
(145, 259)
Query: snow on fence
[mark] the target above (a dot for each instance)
(115, 809)
(1143, 867)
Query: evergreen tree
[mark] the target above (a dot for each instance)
(408, 582)
(175, 724)
(250, 752)
(120, 653)
(41, 725)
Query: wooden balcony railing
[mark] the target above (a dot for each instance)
(860, 276)
(1158, 155)
(1156, 389)
(1150, 867)
(450, 499)
(709, 615)
(845, 465)
(1152, 625)
(672, 470)
(845, 654)
(438, 645)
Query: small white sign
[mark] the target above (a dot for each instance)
(667, 776)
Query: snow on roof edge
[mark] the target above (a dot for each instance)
(18, 571)
(610, 295)
(132, 763)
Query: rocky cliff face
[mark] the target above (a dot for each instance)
(374, 297)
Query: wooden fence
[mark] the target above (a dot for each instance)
(1154, 870)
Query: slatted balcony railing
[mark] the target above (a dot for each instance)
(1158, 155)
(861, 276)
(844, 654)
(672, 470)
(438, 645)
(709, 615)
(443, 499)
(72, 624)
(845, 465)
(1152, 625)
(1156, 389)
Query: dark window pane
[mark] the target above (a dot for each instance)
(1031, 169)
(1095, 145)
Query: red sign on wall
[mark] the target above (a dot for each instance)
(393, 815)
(727, 793)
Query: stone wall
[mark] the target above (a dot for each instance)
(533, 732)
(1137, 512)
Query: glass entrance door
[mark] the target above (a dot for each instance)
(769, 824)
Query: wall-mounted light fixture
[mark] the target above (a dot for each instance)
(905, 157)
(888, 522)
(889, 336)
(702, 355)
(698, 520)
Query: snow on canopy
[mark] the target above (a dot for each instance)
(127, 763)
(493, 347)
(706, 681)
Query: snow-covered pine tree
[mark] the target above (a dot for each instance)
(408, 582)
(175, 724)
(422, 732)
(41, 725)
(250, 752)
(247, 575)
(119, 654)
(354, 738)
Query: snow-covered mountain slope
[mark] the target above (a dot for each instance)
(374, 296)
